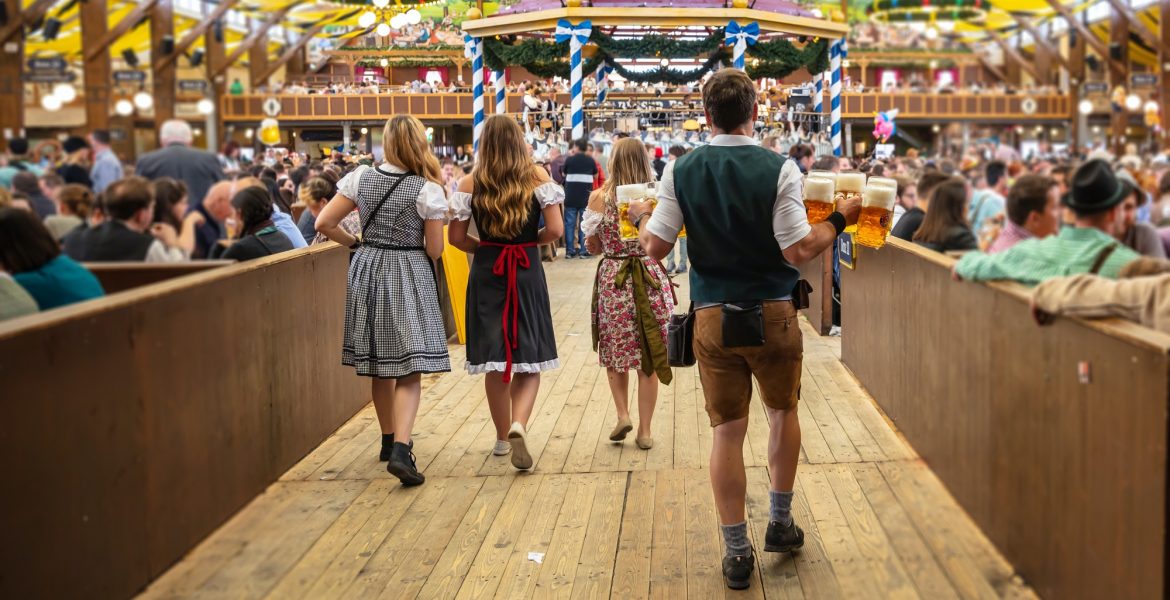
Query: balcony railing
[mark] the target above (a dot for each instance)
(457, 106)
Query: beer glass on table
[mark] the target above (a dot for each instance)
(818, 199)
(638, 192)
(877, 215)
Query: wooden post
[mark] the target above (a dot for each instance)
(162, 25)
(257, 59)
(1076, 79)
(215, 60)
(94, 16)
(11, 83)
(1119, 35)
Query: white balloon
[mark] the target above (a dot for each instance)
(383, 30)
(50, 103)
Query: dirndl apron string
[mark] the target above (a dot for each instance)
(512, 257)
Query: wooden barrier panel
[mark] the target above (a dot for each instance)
(819, 273)
(136, 424)
(1052, 438)
(121, 276)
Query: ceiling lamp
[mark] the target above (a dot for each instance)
(1133, 102)
(65, 92)
(367, 19)
(205, 106)
(381, 3)
(382, 30)
(664, 62)
(124, 107)
(385, 62)
(143, 101)
(931, 33)
(1085, 107)
(50, 103)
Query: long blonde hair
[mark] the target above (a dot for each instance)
(504, 178)
(628, 164)
(404, 144)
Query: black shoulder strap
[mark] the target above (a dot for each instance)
(1101, 258)
(389, 192)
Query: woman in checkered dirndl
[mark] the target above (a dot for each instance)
(509, 323)
(393, 324)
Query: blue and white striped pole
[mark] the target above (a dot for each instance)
(576, 35)
(837, 53)
(603, 82)
(477, 90)
(741, 37)
(501, 98)
(818, 99)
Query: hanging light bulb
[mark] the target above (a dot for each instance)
(143, 101)
(664, 62)
(381, 3)
(384, 62)
(1085, 107)
(931, 33)
(367, 19)
(413, 16)
(383, 30)
(1151, 106)
(50, 103)
(248, 133)
(124, 107)
(1133, 102)
(65, 92)
(205, 106)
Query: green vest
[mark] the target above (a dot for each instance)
(727, 194)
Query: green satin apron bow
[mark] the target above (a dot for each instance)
(654, 356)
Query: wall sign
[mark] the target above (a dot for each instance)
(126, 76)
(846, 250)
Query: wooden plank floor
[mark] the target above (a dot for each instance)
(596, 519)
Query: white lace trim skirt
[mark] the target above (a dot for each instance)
(498, 367)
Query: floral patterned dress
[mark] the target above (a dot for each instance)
(633, 300)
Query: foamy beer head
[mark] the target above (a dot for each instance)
(632, 192)
(882, 182)
(879, 196)
(850, 181)
(819, 189)
(831, 176)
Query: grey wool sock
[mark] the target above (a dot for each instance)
(735, 538)
(781, 507)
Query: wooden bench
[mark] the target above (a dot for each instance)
(1052, 438)
(136, 424)
(121, 276)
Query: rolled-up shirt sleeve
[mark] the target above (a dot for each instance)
(789, 219)
(667, 219)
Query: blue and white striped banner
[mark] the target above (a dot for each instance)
(576, 35)
(837, 53)
(501, 97)
(603, 72)
(741, 37)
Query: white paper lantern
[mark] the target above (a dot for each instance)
(1133, 102)
(383, 30)
(381, 3)
(143, 101)
(50, 103)
(65, 92)
(1151, 106)
(367, 19)
(413, 16)
(205, 106)
(1085, 107)
(124, 107)
(398, 21)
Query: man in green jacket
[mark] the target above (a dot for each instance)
(1095, 196)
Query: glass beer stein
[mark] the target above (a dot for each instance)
(818, 199)
(638, 192)
(849, 184)
(877, 215)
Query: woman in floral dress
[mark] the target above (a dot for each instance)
(632, 298)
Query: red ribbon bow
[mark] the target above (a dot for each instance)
(512, 257)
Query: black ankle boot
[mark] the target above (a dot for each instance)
(387, 447)
(402, 465)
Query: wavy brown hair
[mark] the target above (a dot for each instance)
(628, 165)
(404, 143)
(504, 178)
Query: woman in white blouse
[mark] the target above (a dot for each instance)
(393, 324)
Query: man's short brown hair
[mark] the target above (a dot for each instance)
(1028, 195)
(127, 196)
(729, 97)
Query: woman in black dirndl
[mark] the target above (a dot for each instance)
(509, 322)
(393, 324)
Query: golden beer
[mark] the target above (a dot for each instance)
(849, 185)
(625, 195)
(877, 216)
(818, 199)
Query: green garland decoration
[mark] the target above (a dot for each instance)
(776, 59)
(408, 63)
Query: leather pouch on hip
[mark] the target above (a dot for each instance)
(743, 324)
(800, 294)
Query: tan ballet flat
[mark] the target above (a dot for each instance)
(645, 443)
(623, 428)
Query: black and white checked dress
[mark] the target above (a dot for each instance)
(393, 324)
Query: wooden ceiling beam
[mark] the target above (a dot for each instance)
(1090, 38)
(193, 34)
(25, 17)
(1014, 55)
(1041, 41)
(257, 35)
(288, 53)
(1135, 24)
(125, 25)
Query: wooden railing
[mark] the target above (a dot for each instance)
(458, 106)
(1053, 438)
(136, 424)
(121, 276)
